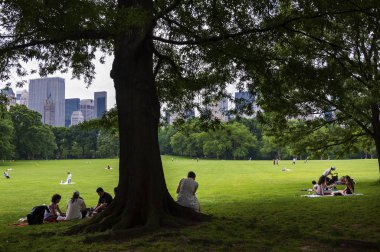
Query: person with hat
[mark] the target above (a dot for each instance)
(326, 174)
(328, 171)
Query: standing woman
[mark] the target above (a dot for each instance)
(54, 209)
(186, 192)
(75, 206)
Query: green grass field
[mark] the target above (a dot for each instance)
(256, 206)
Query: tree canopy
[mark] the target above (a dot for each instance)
(174, 52)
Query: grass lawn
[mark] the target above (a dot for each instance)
(256, 206)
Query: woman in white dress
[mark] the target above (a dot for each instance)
(75, 206)
(186, 192)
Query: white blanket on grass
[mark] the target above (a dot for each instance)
(317, 196)
(65, 183)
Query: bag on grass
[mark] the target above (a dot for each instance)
(36, 216)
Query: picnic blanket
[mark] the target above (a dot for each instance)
(329, 195)
(65, 183)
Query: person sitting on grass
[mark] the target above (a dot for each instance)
(104, 200)
(315, 186)
(186, 190)
(54, 209)
(349, 182)
(75, 207)
(322, 188)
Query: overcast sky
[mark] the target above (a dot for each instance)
(77, 88)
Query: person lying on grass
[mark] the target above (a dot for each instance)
(54, 209)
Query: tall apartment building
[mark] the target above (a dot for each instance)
(100, 103)
(244, 100)
(71, 105)
(22, 97)
(219, 110)
(170, 118)
(76, 118)
(52, 90)
(8, 92)
(49, 112)
(88, 109)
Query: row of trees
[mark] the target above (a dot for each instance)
(23, 136)
(248, 138)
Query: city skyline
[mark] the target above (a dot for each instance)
(47, 96)
(75, 88)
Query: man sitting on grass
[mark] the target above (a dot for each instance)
(104, 200)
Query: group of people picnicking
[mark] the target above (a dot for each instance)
(327, 183)
(76, 207)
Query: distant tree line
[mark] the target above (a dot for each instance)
(249, 139)
(23, 136)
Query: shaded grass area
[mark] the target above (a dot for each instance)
(255, 207)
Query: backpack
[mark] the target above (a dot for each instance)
(36, 216)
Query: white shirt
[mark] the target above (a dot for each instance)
(186, 196)
(320, 190)
(327, 172)
(315, 187)
(74, 209)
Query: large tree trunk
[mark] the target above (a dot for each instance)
(376, 129)
(142, 201)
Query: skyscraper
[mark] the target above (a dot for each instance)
(24, 97)
(8, 92)
(245, 101)
(100, 103)
(219, 110)
(71, 105)
(52, 89)
(87, 109)
(76, 118)
(49, 111)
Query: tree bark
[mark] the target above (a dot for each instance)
(142, 201)
(376, 129)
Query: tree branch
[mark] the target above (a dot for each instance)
(214, 38)
(168, 59)
(247, 31)
(86, 34)
(326, 146)
(170, 8)
(157, 67)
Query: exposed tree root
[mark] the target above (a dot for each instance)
(122, 225)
